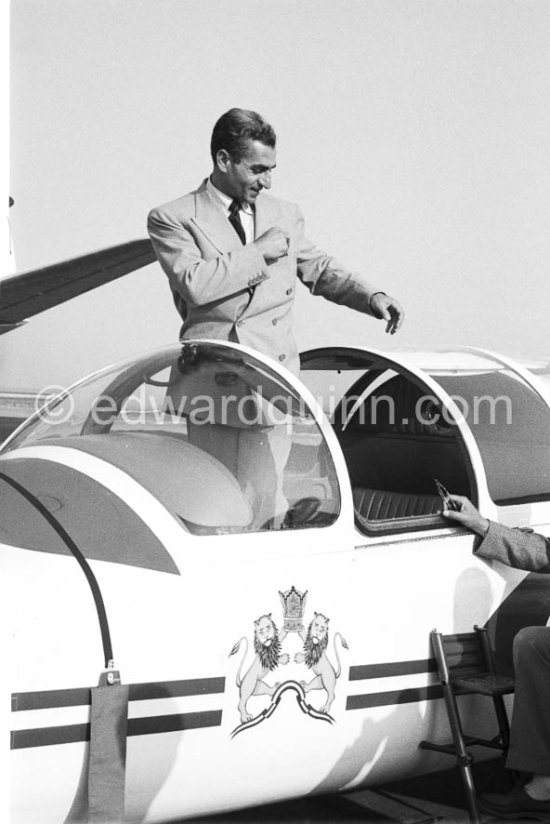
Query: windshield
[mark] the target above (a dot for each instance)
(220, 439)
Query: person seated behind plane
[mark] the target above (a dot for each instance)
(530, 728)
(232, 253)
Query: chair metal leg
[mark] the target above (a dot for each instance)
(470, 792)
(463, 757)
(502, 718)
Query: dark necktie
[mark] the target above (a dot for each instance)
(235, 220)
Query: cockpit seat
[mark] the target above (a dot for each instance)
(380, 504)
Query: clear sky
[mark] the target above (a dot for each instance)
(414, 134)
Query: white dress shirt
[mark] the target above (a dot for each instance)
(246, 213)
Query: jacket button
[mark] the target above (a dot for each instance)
(282, 357)
(289, 291)
(274, 321)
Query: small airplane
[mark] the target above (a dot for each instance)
(258, 560)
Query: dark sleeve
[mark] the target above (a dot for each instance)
(522, 550)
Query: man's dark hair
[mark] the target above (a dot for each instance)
(237, 126)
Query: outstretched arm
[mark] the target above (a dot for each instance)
(324, 275)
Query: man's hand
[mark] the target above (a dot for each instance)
(273, 244)
(387, 308)
(467, 516)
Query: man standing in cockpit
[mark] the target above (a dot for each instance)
(232, 253)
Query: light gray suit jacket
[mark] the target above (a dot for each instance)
(211, 273)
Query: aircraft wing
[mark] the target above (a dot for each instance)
(28, 293)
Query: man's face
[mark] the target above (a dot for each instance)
(245, 179)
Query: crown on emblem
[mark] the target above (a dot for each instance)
(294, 603)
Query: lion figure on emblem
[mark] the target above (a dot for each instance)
(268, 656)
(315, 658)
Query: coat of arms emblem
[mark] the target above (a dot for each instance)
(269, 657)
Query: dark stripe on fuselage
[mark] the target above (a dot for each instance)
(77, 733)
(386, 699)
(392, 668)
(81, 696)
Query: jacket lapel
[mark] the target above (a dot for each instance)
(212, 222)
(266, 215)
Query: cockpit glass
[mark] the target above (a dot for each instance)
(394, 445)
(510, 422)
(218, 437)
(398, 435)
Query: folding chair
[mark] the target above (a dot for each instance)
(465, 666)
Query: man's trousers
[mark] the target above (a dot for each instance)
(530, 729)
